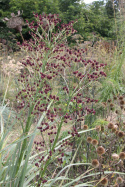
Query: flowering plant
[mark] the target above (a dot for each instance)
(57, 89)
(54, 73)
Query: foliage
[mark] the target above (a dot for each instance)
(91, 18)
(111, 8)
(6, 115)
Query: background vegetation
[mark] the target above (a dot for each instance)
(62, 102)
(98, 17)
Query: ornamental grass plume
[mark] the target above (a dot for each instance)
(16, 22)
(100, 150)
(95, 163)
(12, 67)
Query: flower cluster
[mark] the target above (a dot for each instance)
(57, 74)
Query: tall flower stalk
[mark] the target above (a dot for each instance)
(51, 60)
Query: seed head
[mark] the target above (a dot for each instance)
(122, 155)
(100, 150)
(116, 111)
(85, 127)
(110, 126)
(104, 181)
(121, 102)
(109, 100)
(120, 134)
(119, 180)
(94, 142)
(121, 98)
(95, 163)
(115, 156)
(111, 105)
(122, 107)
(89, 139)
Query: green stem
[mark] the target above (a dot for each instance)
(27, 128)
(42, 172)
(28, 124)
(71, 163)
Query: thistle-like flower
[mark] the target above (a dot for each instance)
(111, 105)
(100, 150)
(85, 127)
(120, 134)
(94, 142)
(110, 126)
(122, 155)
(89, 139)
(109, 100)
(95, 163)
(115, 156)
(121, 98)
(122, 102)
(119, 180)
(104, 181)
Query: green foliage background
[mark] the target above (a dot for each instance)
(97, 17)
